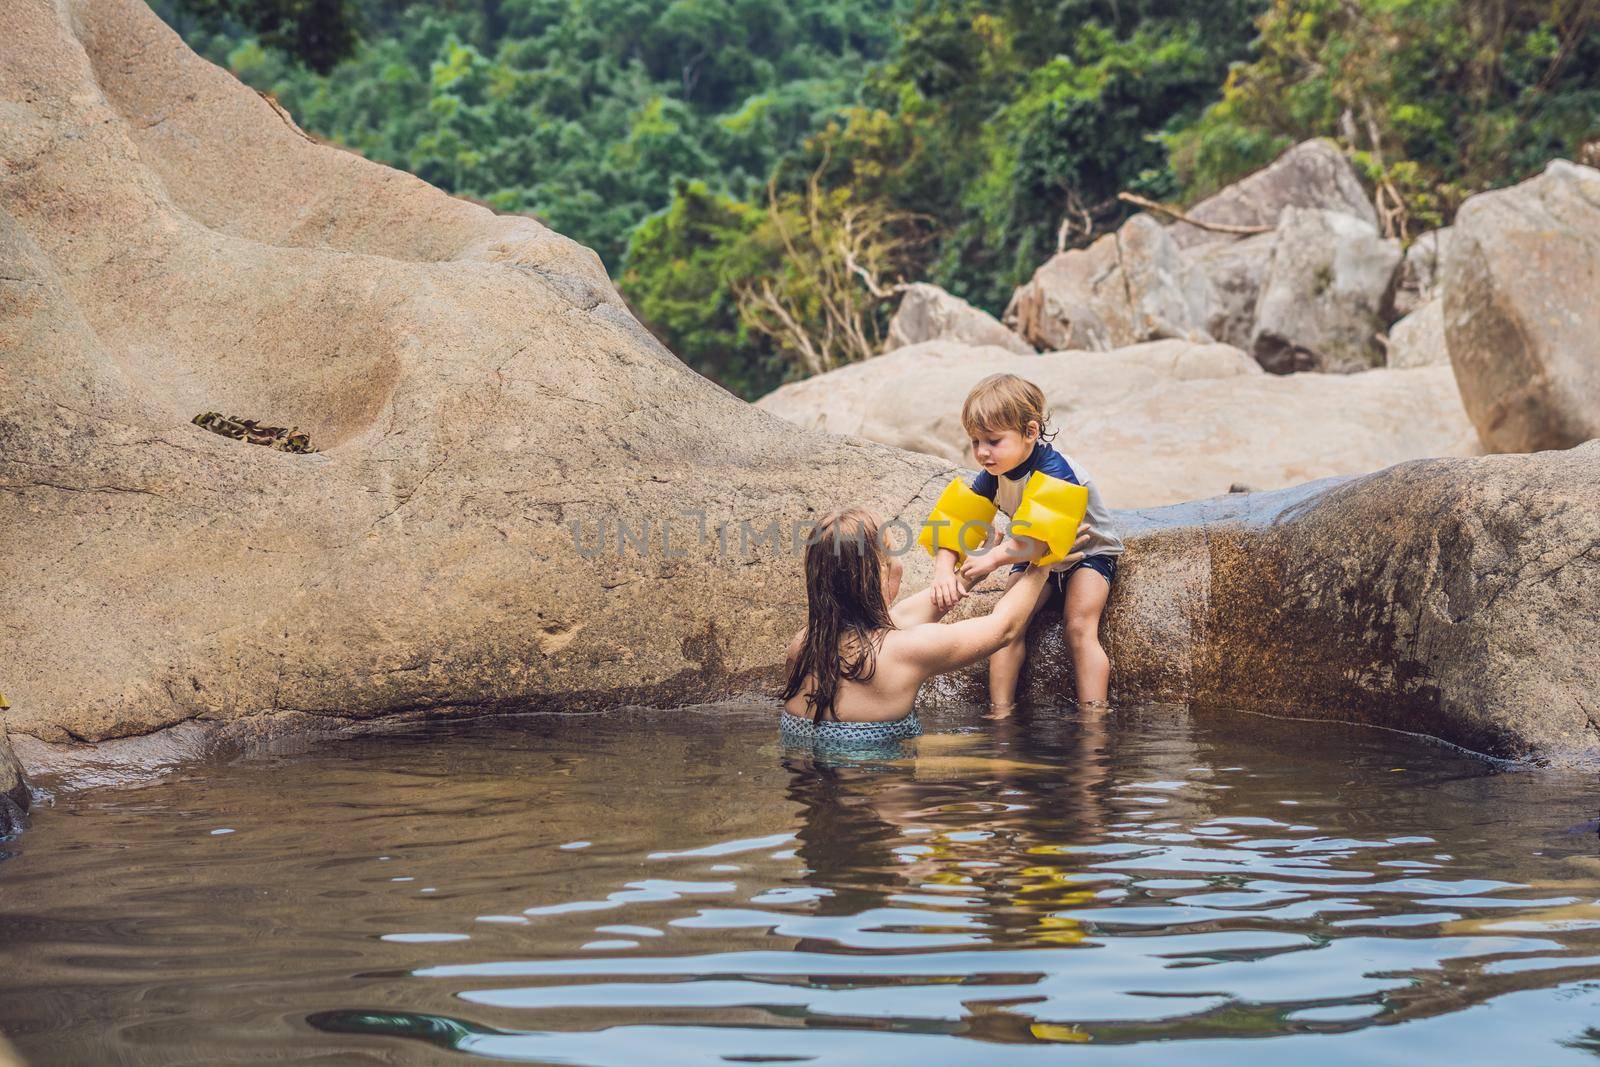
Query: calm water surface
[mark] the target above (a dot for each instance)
(675, 888)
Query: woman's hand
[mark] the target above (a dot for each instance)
(947, 591)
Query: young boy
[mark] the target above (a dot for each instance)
(1005, 418)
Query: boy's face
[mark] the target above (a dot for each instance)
(998, 451)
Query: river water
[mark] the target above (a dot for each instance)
(647, 887)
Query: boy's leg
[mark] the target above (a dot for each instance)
(1005, 666)
(1087, 591)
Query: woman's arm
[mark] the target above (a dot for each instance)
(936, 648)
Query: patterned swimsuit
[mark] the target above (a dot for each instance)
(832, 734)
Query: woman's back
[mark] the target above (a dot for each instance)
(887, 694)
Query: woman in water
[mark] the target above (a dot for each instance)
(855, 669)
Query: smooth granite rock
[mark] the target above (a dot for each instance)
(1324, 295)
(1521, 285)
(1234, 271)
(928, 313)
(1157, 423)
(173, 245)
(1418, 340)
(1128, 287)
(1418, 282)
(1312, 174)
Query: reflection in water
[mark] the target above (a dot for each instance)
(991, 891)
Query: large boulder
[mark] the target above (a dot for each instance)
(1188, 440)
(1454, 598)
(1418, 282)
(1234, 271)
(1312, 174)
(1520, 281)
(484, 405)
(928, 313)
(1418, 340)
(1125, 288)
(1157, 423)
(912, 398)
(1325, 294)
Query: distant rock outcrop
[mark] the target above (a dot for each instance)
(1127, 287)
(1418, 283)
(1234, 271)
(1323, 294)
(1312, 174)
(1521, 312)
(1157, 423)
(1311, 293)
(928, 313)
(1418, 339)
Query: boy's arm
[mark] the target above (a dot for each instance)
(1014, 549)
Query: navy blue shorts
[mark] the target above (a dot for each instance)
(1104, 566)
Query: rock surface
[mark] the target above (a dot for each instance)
(1418, 340)
(173, 245)
(912, 398)
(1234, 270)
(928, 313)
(1154, 424)
(1418, 283)
(1325, 291)
(1520, 280)
(1454, 598)
(1312, 174)
(1125, 288)
(14, 798)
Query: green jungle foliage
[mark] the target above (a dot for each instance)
(758, 174)
(1434, 99)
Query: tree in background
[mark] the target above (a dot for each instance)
(823, 301)
(759, 173)
(1435, 99)
(1003, 120)
(317, 33)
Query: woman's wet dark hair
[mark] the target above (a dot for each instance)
(844, 607)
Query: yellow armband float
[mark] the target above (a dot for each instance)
(960, 521)
(1051, 511)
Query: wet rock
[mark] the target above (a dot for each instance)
(1418, 340)
(1454, 598)
(1157, 423)
(1520, 278)
(928, 313)
(1312, 174)
(1418, 283)
(14, 799)
(1127, 287)
(484, 407)
(1324, 295)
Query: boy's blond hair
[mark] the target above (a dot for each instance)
(1005, 402)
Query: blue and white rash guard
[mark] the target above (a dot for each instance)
(1006, 493)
